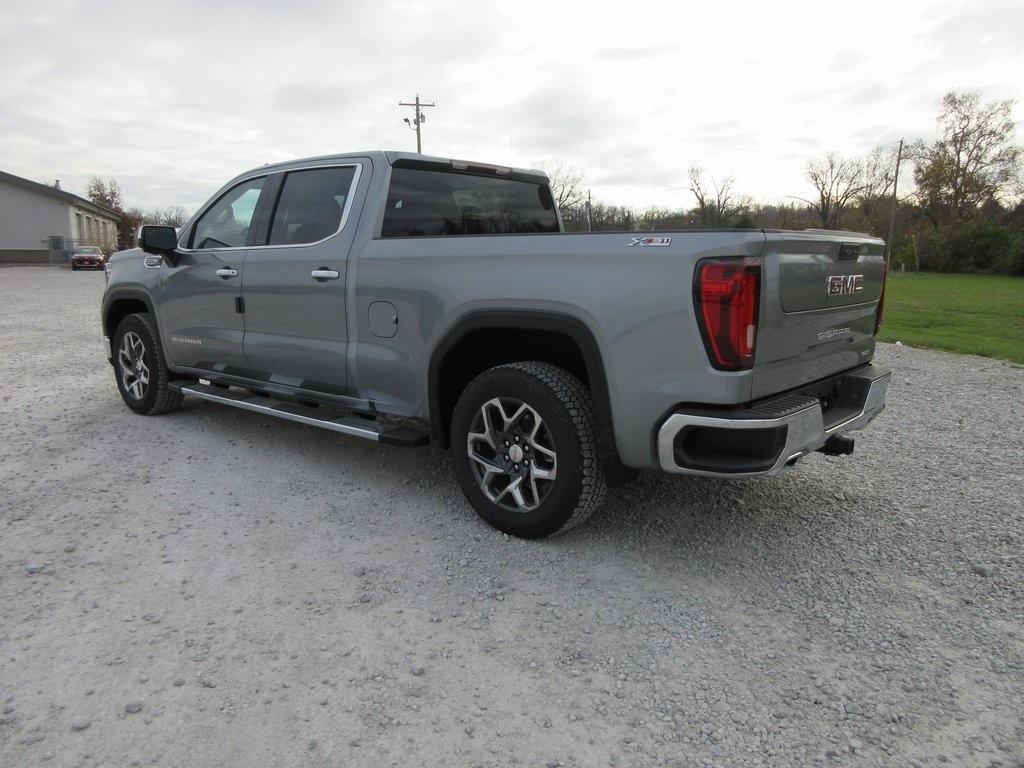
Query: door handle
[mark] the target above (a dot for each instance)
(325, 274)
(227, 272)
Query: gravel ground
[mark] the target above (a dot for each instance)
(214, 588)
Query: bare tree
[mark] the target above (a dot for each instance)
(172, 216)
(838, 182)
(567, 185)
(717, 201)
(878, 172)
(128, 228)
(105, 192)
(649, 219)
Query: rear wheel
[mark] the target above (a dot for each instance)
(525, 449)
(143, 377)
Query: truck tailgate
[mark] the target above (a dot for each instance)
(820, 294)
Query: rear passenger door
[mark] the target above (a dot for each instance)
(295, 284)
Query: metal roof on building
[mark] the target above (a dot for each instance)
(60, 194)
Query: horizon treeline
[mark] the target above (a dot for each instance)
(959, 207)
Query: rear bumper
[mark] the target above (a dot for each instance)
(770, 436)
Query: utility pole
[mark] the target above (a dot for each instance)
(892, 211)
(418, 120)
(590, 213)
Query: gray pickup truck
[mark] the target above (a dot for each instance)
(408, 299)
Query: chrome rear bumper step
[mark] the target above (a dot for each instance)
(770, 437)
(323, 417)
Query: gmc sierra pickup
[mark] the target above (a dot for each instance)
(407, 299)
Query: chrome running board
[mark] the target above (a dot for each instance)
(309, 415)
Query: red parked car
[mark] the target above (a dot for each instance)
(87, 256)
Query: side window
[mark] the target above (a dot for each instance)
(439, 203)
(226, 223)
(311, 205)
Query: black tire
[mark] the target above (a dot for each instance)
(74, 267)
(157, 396)
(561, 403)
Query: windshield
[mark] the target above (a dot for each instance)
(89, 249)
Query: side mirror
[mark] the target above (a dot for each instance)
(160, 241)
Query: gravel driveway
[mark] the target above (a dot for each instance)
(215, 588)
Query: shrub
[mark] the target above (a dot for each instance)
(979, 246)
(975, 246)
(933, 251)
(1014, 262)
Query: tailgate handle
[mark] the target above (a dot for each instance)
(849, 251)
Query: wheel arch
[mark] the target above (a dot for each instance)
(121, 302)
(444, 374)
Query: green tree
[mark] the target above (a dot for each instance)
(974, 160)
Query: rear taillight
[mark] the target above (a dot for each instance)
(881, 297)
(726, 294)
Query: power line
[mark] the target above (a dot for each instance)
(567, 23)
(418, 120)
(481, 49)
(509, 60)
(451, 68)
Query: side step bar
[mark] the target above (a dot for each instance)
(324, 417)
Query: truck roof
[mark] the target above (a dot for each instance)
(393, 156)
(385, 156)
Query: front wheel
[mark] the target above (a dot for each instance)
(143, 377)
(525, 449)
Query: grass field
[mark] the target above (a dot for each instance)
(973, 314)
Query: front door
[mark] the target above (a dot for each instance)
(201, 310)
(296, 331)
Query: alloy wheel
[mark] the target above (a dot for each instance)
(131, 359)
(512, 454)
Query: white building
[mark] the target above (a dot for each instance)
(41, 224)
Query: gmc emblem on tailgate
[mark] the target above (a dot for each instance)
(844, 285)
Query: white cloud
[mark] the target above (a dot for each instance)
(175, 99)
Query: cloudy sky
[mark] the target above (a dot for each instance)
(173, 99)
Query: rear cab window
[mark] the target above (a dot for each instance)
(439, 203)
